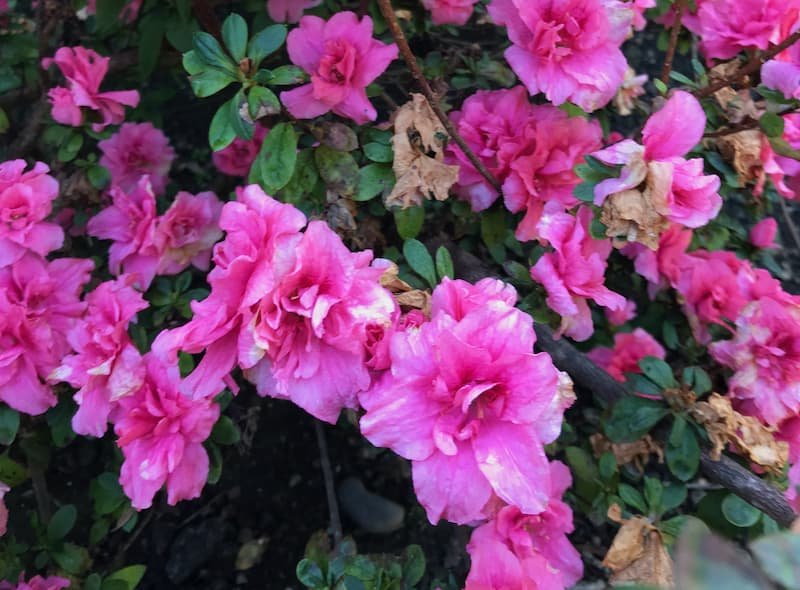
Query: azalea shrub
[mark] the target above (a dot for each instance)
(539, 256)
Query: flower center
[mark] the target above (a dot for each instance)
(338, 63)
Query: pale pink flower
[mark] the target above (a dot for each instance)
(450, 12)
(4, 489)
(619, 317)
(629, 348)
(26, 199)
(638, 7)
(39, 305)
(130, 223)
(730, 26)
(517, 551)
(36, 583)
(237, 158)
(783, 72)
(470, 404)
(574, 272)
(762, 234)
(106, 366)
(136, 150)
(631, 89)
(187, 232)
(161, 434)
(289, 11)
(84, 70)
(567, 49)
(342, 59)
(692, 198)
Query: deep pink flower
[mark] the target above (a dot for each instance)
(781, 170)
(450, 12)
(4, 6)
(619, 317)
(516, 551)
(629, 349)
(130, 222)
(161, 434)
(36, 583)
(187, 232)
(730, 26)
(26, 199)
(470, 404)
(574, 272)
(136, 150)
(789, 431)
(342, 59)
(84, 70)
(289, 11)
(39, 305)
(664, 263)
(762, 234)
(4, 489)
(236, 159)
(783, 72)
(106, 365)
(692, 198)
(765, 356)
(567, 49)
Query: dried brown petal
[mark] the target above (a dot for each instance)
(637, 452)
(638, 553)
(743, 151)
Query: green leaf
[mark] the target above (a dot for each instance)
(106, 492)
(673, 496)
(682, 451)
(493, 226)
(444, 264)
(4, 122)
(642, 385)
(71, 558)
(131, 575)
(234, 34)
(278, 156)
(225, 432)
(70, 148)
(373, 180)
(681, 79)
(303, 180)
(309, 574)
(262, 102)
(585, 472)
(221, 133)
(208, 50)
(658, 372)
(772, 124)
(632, 417)
(215, 462)
(420, 261)
(409, 221)
(265, 42)
(584, 192)
(284, 76)
(61, 522)
(151, 36)
(11, 472)
(378, 152)
(653, 493)
(738, 512)
(107, 13)
(338, 170)
(98, 531)
(697, 379)
(413, 565)
(243, 129)
(632, 497)
(192, 63)
(779, 556)
(209, 82)
(607, 466)
(660, 86)
(98, 176)
(9, 425)
(784, 148)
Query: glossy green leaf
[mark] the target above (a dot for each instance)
(234, 34)
(632, 417)
(265, 42)
(420, 261)
(278, 157)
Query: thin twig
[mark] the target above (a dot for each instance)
(330, 490)
(416, 72)
(750, 67)
(680, 7)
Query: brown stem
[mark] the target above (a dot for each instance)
(589, 377)
(330, 491)
(750, 67)
(397, 32)
(680, 7)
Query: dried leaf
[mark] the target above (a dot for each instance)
(637, 452)
(415, 299)
(743, 150)
(726, 426)
(418, 142)
(638, 553)
(390, 280)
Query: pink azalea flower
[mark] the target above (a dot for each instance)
(573, 273)
(161, 434)
(4, 6)
(39, 305)
(450, 12)
(783, 72)
(130, 222)
(567, 49)
(638, 7)
(236, 159)
(470, 404)
(289, 11)
(781, 170)
(629, 349)
(36, 583)
(26, 199)
(630, 89)
(84, 70)
(730, 26)
(664, 263)
(692, 198)
(619, 317)
(187, 232)
(106, 365)
(136, 150)
(516, 551)
(762, 234)
(342, 59)
(764, 354)
(789, 432)
(4, 489)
